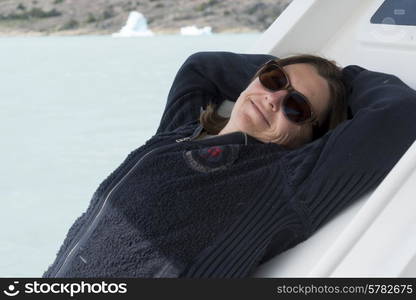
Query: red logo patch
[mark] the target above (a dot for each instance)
(212, 158)
(213, 152)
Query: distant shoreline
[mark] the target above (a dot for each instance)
(162, 17)
(83, 32)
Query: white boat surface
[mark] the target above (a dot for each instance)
(376, 236)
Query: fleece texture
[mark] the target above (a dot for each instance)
(218, 207)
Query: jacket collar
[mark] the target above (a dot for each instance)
(230, 138)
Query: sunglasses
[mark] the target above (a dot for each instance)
(296, 107)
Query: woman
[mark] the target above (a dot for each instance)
(215, 198)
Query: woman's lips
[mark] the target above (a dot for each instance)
(260, 112)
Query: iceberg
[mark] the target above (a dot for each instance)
(136, 26)
(193, 30)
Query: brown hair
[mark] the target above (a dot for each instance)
(213, 123)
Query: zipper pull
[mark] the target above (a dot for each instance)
(194, 135)
(185, 139)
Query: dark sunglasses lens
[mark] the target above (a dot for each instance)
(296, 108)
(273, 78)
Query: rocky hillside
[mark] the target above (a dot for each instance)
(64, 17)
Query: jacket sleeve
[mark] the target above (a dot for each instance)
(207, 77)
(330, 173)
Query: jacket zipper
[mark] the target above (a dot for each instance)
(194, 135)
(96, 218)
(185, 139)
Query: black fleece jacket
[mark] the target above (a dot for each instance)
(180, 207)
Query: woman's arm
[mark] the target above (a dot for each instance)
(353, 159)
(207, 77)
(330, 173)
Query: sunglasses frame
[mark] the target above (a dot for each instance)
(291, 91)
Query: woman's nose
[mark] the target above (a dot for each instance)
(274, 99)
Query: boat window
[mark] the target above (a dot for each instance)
(396, 12)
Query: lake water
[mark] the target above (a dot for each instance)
(72, 108)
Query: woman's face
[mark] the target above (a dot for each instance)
(258, 112)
